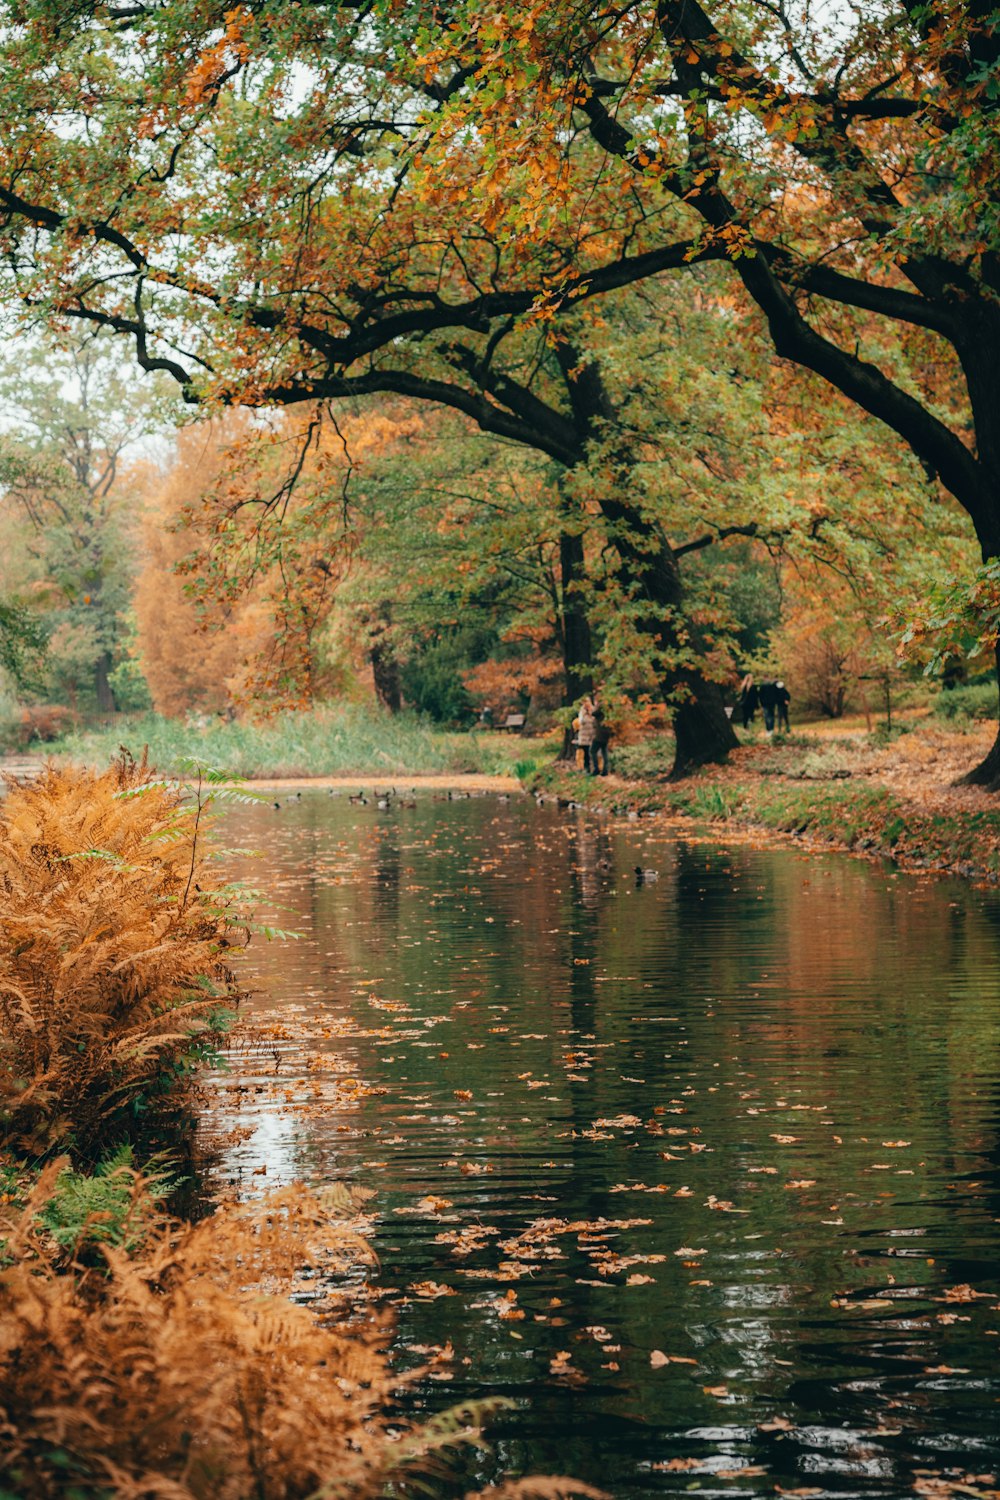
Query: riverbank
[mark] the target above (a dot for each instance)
(892, 800)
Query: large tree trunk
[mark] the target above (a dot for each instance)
(987, 773)
(977, 351)
(576, 639)
(102, 687)
(574, 631)
(649, 571)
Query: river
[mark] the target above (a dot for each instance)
(702, 1171)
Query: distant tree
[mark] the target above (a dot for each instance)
(199, 650)
(69, 415)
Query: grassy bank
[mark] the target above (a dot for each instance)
(334, 741)
(855, 795)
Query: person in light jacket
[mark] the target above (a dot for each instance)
(587, 731)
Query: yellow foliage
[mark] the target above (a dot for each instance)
(194, 657)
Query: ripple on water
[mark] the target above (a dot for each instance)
(726, 1145)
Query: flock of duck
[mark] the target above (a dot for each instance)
(391, 798)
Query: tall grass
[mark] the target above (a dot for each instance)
(337, 740)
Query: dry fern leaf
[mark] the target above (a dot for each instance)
(112, 949)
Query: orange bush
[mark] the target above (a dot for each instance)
(112, 948)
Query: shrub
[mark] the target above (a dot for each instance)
(10, 717)
(172, 1374)
(111, 1206)
(977, 701)
(112, 944)
(649, 760)
(43, 722)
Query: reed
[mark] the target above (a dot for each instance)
(337, 740)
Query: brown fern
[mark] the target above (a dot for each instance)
(171, 1374)
(112, 957)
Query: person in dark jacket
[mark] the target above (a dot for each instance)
(748, 700)
(602, 738)
(768, 702)
(782, 699)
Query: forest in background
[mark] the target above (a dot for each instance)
(389, 555)
(368, 366)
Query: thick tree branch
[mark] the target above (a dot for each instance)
(699, 543)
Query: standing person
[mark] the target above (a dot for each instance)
(768, 701)
(602, 737)
(748, 700)
(782, 699)
(587, 731)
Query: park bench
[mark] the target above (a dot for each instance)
(514, 723)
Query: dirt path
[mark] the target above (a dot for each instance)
(919, 768)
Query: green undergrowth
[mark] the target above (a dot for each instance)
(977, 700)
(111, 1205)
(861, 817)
(339, 740)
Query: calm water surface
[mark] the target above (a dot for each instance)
(703, 1173)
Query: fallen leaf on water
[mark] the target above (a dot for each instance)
(431, 1289)
(775, 1424)
(432, 1205)
(716, 1390)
